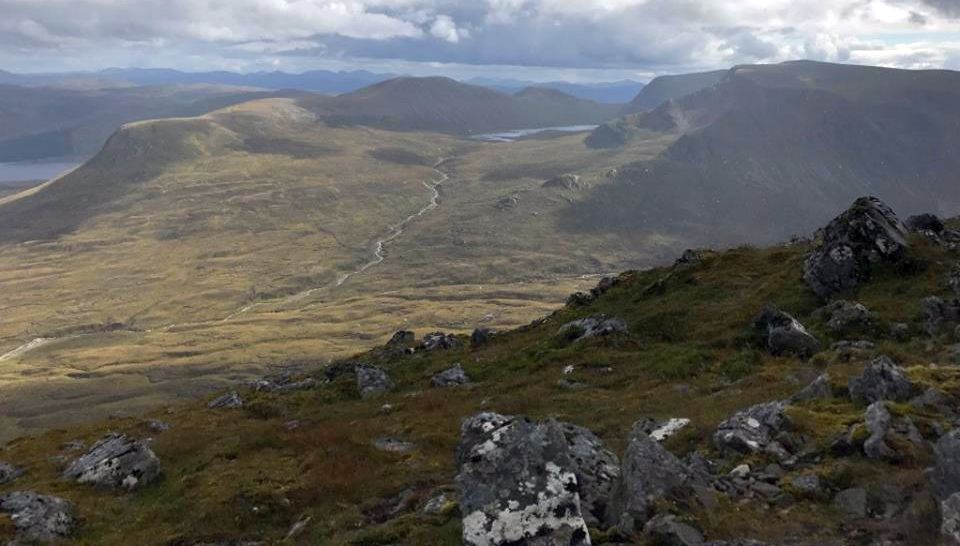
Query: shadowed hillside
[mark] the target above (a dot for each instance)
(666, 88)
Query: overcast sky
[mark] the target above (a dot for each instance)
(534, 39)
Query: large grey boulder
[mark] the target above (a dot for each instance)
(782, 334)
(597, 470)
(451, 377)
(372, 381)
(440, 341)
(117, 461)
(38, 518)
(753, 430)
(818, 389)
(517, 484)
(945, 474)
(844, 316)
(8, 473)
(877, 420)
(650, 474)
(596, 326)
(868, 233)
(881, 380)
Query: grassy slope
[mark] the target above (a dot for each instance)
(242, 474)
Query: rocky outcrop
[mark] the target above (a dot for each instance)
(401, 338)
(596, 326)
(451, 377)
(372, 381)
(844, 317)
(597, 470)
(8, 473)
(517, 484)
(754, 430)
(230, 400)
(868, 233)
(438, 341)
(603, 286)
(570, 182)
(921, 223)
(117, 461)
(782, 334)
(881, 380)
(39, 519)
(481, 336)
(283, 383)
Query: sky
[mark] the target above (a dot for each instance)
(576, 40)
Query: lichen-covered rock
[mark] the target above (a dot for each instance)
(869, 232)
(117, 461)
(650, 474)
(517, 485)
(439, 341)
(945, 475)
(819, 389)
(451, 377)
(877, 420)
(8, 473)
(753, 430)
(597, 470)
(231, 400)
(950, 520)
(881, 380)
(782, 334)
(38, 518)
(589, 327)
(372, 381)
(481, 336)
(844, 316)
(667, 530)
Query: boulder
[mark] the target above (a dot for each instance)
(517, 484)
(440, 341)
(372, 381)
(40, 519)
(939, 313)
(950, 520)
(650, 474)
(596, 326)
(401, 338)
(481, 336)
(661, 430)
(753, 430)
(924, 223)
(807, 484)
(565, 182)
(869, 232)
(231, 400)
(782, 334)
(877, 420)
(819, 389)
(451, 377)
(597, 470)
(8, 473)
(945, 475)
(507, 202)
(844, 316)
(881, 380)
(117, 461)
(603, 286)
(667, 530)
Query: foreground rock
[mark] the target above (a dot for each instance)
(517, 485)
(38, 518)
(753, 430)
(877, 420)
(8, 473)
(782, 334)
(597, 326)
(597, 470)
(869, 232)
(116, 461)
(372, 381)
(881, 380)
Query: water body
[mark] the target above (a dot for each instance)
(14, 173)
(510, 136)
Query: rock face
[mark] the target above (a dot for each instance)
(8, 473)
(372, 381)
(439, 340)
(784, 335)
(867, 233)
(38, 518)
(517, 485)
(117, 461)
(589, 327)
(597, 470)
(231, 400)
(881, 380)
(451, 377)
(650, 474)
(753, 430)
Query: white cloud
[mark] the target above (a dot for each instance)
(445, 28)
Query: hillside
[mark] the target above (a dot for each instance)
(772, 150)
(800, 436)
(666, 88)
(445, 105)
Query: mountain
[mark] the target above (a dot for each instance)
(772, 150)
(682, 405)
(446, 105)
(620, 92)
(664, 88)
(45, 122)
(320, 81)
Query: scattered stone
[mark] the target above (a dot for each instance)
(867, 233)
(481, 336)
(38, 518)
(753, 429)
(231, 400)
(401, 338)
(517, 485)
(596, 326)
(298, 528)
(852, 502)
(393, 445)
(74, 445)
(900, 331)
(782, 334)
(451, 377)
(597, 470)
(950, 519)
(667, 530)
(117, 461)
(566, 182)
(819, 389)
(372, 381)
(881, 380)
(921, 223)
(661, 430)
(808, 484)
(283, 383)
(742, 471)
(292, 425)
(844, 316)
(157, 426)
(440, 341)
(8, 473)
(878, 423)
(507, 202)
(437, 505)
